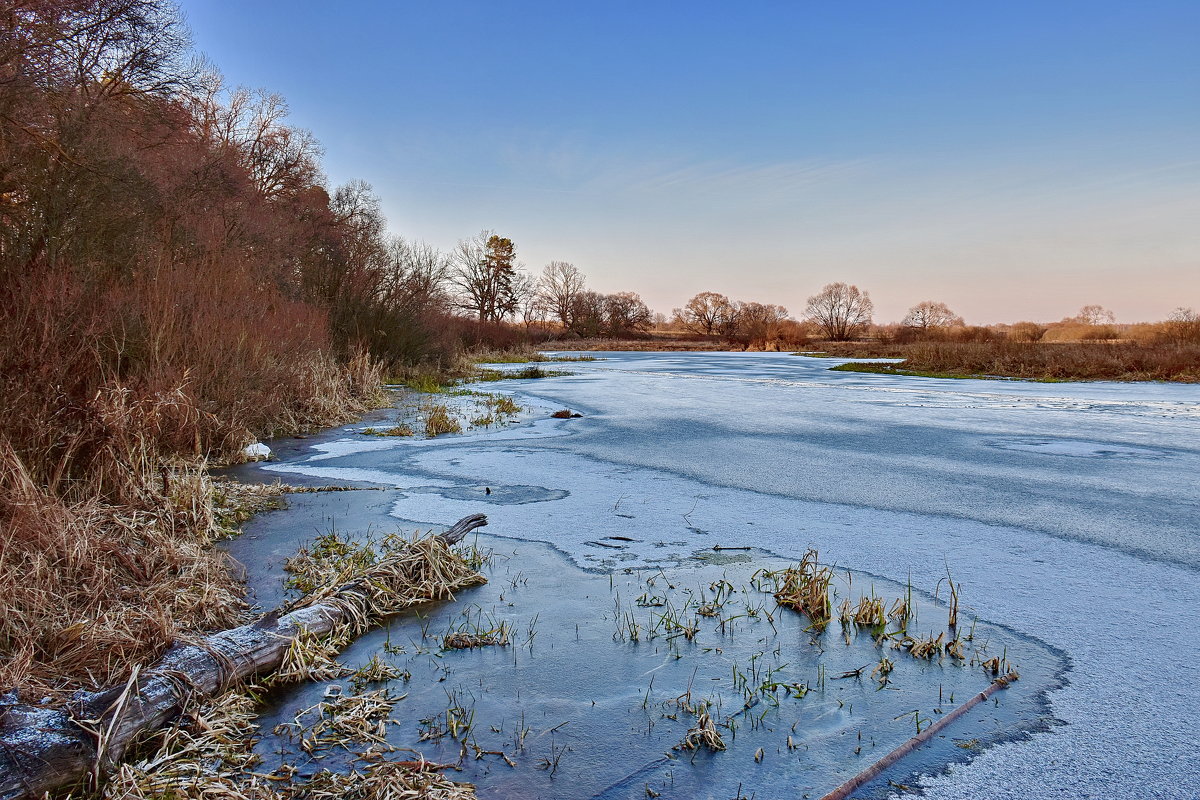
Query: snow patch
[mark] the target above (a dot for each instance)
(257, 452)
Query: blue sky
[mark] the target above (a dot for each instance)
(1014, 160)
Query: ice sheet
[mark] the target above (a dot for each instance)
(1068, 511)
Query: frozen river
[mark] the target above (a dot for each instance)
(1070, 512)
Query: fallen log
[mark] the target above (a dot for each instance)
(44, 749)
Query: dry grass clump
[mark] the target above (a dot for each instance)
(462, 640)
(439, 420)
(375, 670)
(399, 429)
(926, 648)
(208, 753)
(92, 589)
(527, 373)
(331, 560)
(703, 734)
(235, 502)
(503, 404)
(478, 633)
(311, 658)
(342, 719)
(870, 612)
(389, 576)
(387, 780)
(805, 588)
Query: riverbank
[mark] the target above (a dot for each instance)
(111, 560)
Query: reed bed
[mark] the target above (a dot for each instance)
(93, 589)
(108, 515)
(1047, 361)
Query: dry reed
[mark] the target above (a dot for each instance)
(805, 588)
(1092, 361)
(703, 734)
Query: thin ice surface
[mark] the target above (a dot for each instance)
(580, 707)
(1067, 510)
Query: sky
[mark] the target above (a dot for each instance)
(1015, 160)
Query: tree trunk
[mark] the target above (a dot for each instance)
(44, 749)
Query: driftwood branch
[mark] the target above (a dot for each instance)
(43, 749)
(870, 773)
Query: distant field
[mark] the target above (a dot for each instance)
(1083, 361)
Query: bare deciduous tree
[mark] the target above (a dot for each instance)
(531, 306)
(1095, 315)
(560, 285)
(840, 310)
(626, 313)
(929, 315)
(416, 273)
(588, 314)
(483, 269)
(758, 320)
(704, 312)
(283, 159)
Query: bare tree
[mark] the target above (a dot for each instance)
(929, 315)
(560, 285)
(626, 313)
(729, 318)
(483, 269)
(704, 312)
(1095, 315)
(531, 306)
(840, 310)
(588, 314)
(283, 160)
(758, 320)
(416, 273)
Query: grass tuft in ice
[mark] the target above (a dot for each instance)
(805, 588)
(703, 734)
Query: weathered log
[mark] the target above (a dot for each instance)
(43, 749)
